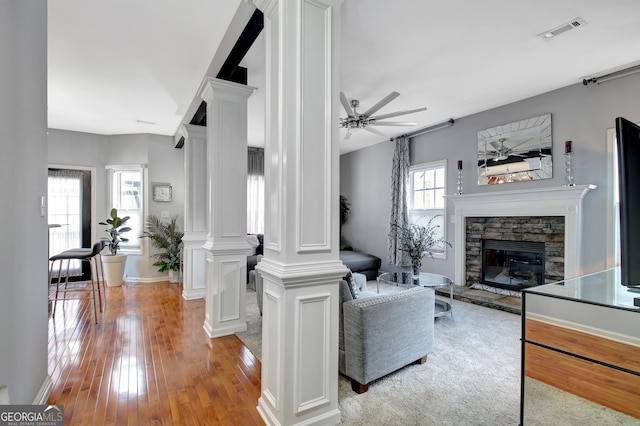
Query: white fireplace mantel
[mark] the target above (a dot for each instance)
(563, 201)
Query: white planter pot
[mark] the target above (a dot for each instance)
(174, 276)
(114, 268)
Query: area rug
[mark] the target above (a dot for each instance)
(471, 378)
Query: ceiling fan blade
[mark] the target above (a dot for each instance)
(375, 132)
(515, 146)
(392, 123)
(347, 135)
(346, 105)
(397, 113)
(391, 96)
(494, 144)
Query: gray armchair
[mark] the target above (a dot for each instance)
(383, 333)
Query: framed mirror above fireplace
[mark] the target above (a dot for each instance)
(515, 152)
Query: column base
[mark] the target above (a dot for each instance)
(226, 272)
(194, 267)
(329, 418)
(300, 342)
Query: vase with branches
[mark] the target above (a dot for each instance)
(418, 241)
(166, 237)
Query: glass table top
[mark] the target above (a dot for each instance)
(425, 279)
(601, 288)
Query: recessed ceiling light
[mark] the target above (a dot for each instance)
(574, 23)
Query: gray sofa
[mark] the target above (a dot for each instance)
(253, 259)
(363, 263)
(380, 334)
(355, 260)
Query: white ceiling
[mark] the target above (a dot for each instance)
(116, 63)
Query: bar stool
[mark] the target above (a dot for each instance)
(93, 253)
(90, 255)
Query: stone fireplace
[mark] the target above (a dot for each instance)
(514, 252)
(549, 215)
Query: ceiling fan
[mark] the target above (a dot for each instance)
(355, 120)
(502, 152)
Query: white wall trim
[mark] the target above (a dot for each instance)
(44, 392)
(147, 280)
(557, 201)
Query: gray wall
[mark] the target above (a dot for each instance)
(164, 164)
(579, 113)
(23, 170)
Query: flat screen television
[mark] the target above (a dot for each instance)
(628, 148)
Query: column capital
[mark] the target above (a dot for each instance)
(211, 85)
(268, 7)
(192, 131)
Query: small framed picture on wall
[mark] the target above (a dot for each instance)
(162, 192)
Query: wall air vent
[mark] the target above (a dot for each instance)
(574, 23)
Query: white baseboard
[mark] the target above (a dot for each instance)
(147, 280)
(199, 294)
(44, 392)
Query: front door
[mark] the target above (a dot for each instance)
(69, 216)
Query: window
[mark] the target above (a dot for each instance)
(255, 191)
(127, 195)
(427, 187)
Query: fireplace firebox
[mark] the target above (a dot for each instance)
(512, 265)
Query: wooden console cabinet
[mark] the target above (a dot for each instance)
(582, 336)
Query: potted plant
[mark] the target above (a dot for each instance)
(166, 237)
(345, 210)
(417, 241)
(114, 262)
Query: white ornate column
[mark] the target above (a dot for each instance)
(226, 246)
(195, 211)
(300, 267)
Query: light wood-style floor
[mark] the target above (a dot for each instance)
(148, 361)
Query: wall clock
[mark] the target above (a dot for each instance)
(161, 192)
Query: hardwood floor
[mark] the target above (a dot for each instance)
(148, 361)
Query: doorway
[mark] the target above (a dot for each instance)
(69, 216)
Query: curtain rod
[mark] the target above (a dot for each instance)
(429, 129)
(612, 75)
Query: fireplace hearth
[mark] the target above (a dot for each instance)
(512, 265)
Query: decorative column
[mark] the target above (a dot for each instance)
(300, 268)
(226, 246)
(195, 211)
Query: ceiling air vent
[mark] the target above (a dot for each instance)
(574, 23)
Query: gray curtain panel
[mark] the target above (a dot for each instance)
(255, 191)
(399, 210)
(255, 161)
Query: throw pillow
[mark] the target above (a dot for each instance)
(353, 286)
